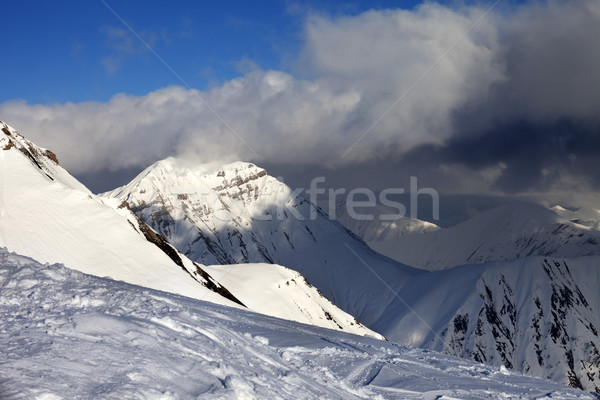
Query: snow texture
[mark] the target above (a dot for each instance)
(67, 335)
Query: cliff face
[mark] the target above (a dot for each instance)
(535, 315)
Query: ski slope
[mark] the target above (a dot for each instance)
(68, 335)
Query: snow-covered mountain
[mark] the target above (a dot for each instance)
(384, 225)
(237, 214)
(48, 215)
(589, 217)
(505, 233)
(68, 335)
(536, 315)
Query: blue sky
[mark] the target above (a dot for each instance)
(78, 50)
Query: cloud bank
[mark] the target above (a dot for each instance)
(514, 107)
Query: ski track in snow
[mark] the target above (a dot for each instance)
(67, 335)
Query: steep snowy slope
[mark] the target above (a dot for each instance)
(48, 215)
(381, 227)
(281, 292)
(537, 315)
(66, 335)
(505, 233)
(239, 214)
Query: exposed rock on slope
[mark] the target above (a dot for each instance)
(536, 315)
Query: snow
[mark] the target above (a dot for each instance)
(68, 335)
(280, 292)
(584, 216)
(412, 307)
(49, 216)
(534, 315)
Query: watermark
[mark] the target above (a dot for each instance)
(317, 201)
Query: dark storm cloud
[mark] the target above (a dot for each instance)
(529, 156)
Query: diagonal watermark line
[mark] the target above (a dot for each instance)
(421, 78)
(396, 295)
(159, 58)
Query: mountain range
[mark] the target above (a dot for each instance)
(507, 232)
(237, 213)
(48, 215)
(514, 287)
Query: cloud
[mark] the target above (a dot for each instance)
(514, 106)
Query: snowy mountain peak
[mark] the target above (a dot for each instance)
(173, 184)
(12, 138)
(43, 159)
(47, 214)
(239, 214)
(178, 174)
(385, 224)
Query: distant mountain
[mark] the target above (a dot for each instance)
(505, 233)
(48, 215)
(589, 217)
(384, 225)
(237, 213)
(536, 315)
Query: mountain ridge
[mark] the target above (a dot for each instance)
(507, 232)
